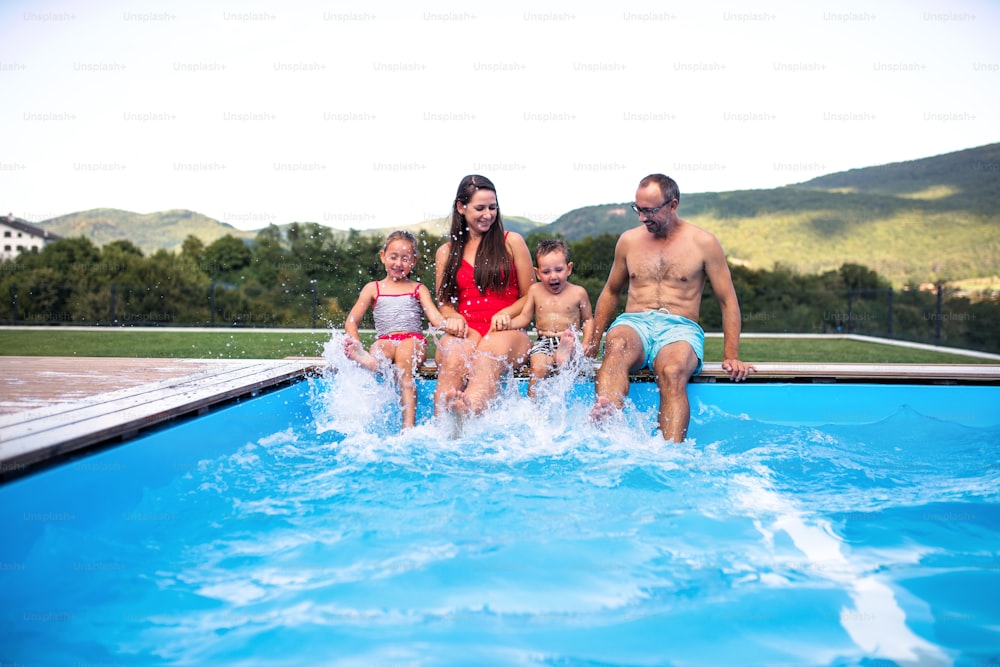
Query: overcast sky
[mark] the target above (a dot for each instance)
(366, 115)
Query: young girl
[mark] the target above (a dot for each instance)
(398, 305)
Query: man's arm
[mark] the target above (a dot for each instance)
(607, 302)
(721, 278)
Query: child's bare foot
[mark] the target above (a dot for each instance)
(603, 409)
(355, 351)
(567, 346)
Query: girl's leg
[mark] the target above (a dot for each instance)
(355, 351)
(410, 353)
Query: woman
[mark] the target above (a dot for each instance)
(483, 274)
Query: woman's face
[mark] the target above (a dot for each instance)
(481, 211)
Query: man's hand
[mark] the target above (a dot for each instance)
(738, 370)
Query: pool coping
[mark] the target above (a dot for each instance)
(33, 438)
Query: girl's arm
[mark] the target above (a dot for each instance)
(361, 307)
(454, 326)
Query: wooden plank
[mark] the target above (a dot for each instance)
(60, 429)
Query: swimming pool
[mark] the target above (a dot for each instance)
(803, 524)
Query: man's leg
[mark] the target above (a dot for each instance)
(623, 352)
(673, 367)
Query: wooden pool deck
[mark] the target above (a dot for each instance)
(54, 406)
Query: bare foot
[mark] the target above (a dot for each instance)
(355, 351)
(456, 401)
(603, 409)
(567, 346)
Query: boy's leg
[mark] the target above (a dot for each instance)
(541, 364)
(567, 346)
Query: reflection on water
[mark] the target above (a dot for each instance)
(532, 537)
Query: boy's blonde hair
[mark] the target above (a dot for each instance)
(549, 246)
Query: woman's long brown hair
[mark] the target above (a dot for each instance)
(493, 264)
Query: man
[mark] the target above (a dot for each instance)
(665, 263)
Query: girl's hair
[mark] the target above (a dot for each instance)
(400, 235)
(492, 264)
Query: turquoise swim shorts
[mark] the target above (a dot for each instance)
(657, 328)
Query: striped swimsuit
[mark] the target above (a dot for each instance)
(398, 316)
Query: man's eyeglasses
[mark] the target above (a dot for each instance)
(648, 212)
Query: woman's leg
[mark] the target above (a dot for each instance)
(497, 352)
(453, 359)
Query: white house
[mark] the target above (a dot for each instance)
(19, 236)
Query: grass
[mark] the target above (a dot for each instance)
(242, 344)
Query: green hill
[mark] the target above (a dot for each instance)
(929, 220)
(150, 231)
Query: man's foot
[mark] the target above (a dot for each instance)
(355, 351)
(567, 346)
(603, 409)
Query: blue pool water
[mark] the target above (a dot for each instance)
(801, 525)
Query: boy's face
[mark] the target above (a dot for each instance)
(553, 271)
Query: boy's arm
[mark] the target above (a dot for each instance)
(361, 307)
(523, 319)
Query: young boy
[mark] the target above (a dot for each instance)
(559, 308)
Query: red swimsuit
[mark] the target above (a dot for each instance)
(477, 308)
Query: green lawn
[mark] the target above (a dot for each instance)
(242, 344)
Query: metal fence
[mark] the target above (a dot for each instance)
(920, 316)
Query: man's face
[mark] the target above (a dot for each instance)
(654, 212)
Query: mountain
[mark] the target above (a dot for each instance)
(149, 231)
(439, 226)
(928, 220)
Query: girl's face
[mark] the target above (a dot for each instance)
(481, 211)
(399, 257)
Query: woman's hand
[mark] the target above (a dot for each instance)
(500, 322)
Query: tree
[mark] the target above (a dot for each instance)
(226, 257)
